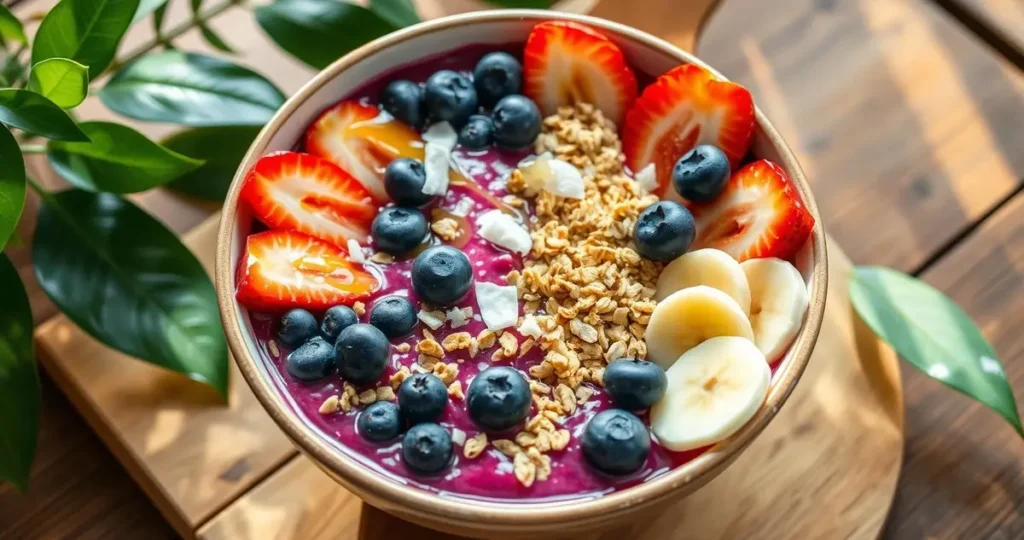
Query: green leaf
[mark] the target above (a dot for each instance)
(86, 31)
(223, 149)
(521, 4)
(31, 112)
(146, 7)
(214, 40)
(10, 27)
(193, 90)
(62, 81)
(12, 187)
(118, 160)
(397, 12)
(125, 279)
(12, 68)
(933, 334)
(318, 32)
(19, 381)
(158, 18)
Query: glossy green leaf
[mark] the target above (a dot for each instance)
(10, 27)
(146, 7)
(64, 82)
(318, 32)
(214, 40)
(223, 149)
(11, 69)
(31, 112)
(191, 89)
(158, 19)
(397, 12)
(19, 381)
(934, 334)
(86, 31)
(12, 186)
(128, 281)
(118, 160)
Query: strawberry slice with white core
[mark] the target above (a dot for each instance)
(301, 192)
(362, 139)
(288, 269)
(566, 63)
(758, 214)
(685, 107)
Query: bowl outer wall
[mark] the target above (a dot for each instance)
(646, 53)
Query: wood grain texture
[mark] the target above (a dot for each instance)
(833, 452)
(908, 127)
(963, 475)
(190, 453)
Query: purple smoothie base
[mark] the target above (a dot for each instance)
(489, 476)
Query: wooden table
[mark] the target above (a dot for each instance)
(907, 116)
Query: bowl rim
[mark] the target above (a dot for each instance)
(496, 513)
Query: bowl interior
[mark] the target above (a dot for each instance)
(646, 54)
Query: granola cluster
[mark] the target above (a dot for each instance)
(591, 293)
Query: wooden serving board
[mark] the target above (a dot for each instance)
(826, 467)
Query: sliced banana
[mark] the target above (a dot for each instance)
(713, 390)
(779, 301)
(688, 317)
(711, 267)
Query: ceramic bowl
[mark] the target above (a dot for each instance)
(461, 515)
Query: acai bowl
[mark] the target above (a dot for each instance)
(517, 272)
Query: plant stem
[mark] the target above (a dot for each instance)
(165, 38)
(33, 148)
(37, 187)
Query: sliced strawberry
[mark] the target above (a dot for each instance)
(685, 107)
(362, 140)
(300, 192)
(288, 269)
(567, 62)
(759, 214)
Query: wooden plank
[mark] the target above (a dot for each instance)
(963, 475)
(837, 443)
(1003, 18)
(908, 127)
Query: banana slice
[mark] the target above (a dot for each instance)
(713, 390)
(686, 318)
(779, 300)
(711, 267)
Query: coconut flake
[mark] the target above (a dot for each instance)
(566, 180)
(433, 319)
(355, 253)
(503, 230)
(460, 317)
(647, 178)
(442, 134)
(529, 327)
(499, 305)
(458, 436)
(436, 163)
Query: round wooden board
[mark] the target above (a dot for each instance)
(826, 467)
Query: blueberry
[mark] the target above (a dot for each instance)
(498, 398)
(664, 231)
(427, 448)
(422, 398)
(393, 315)
(450, 97)
(312, 361)
(398, 230)
(404, 100)
(335, 320)
(297, 326)
(442, 276)
(516, 122)
(616, 442)
(478, 133)
(380, 422)
(634, 384)
(701, 174)
(361, 353)
(497, 75)
(404, 179)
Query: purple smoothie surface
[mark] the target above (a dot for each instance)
(490, 475)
